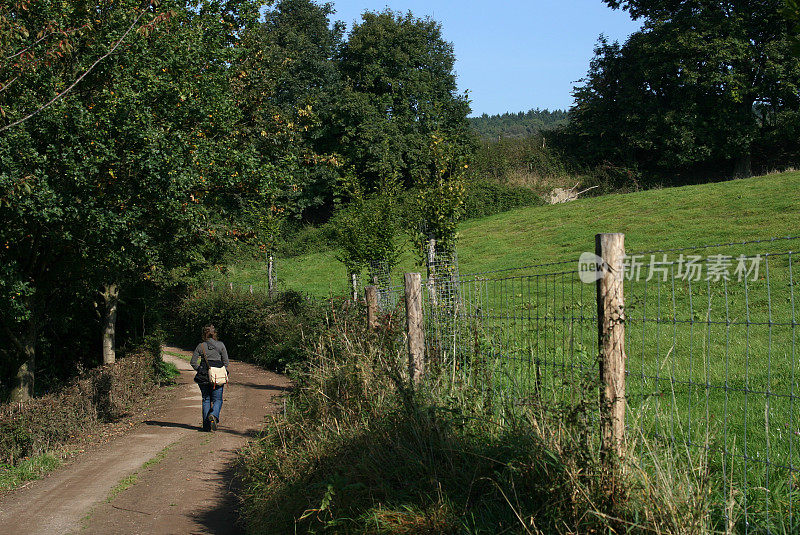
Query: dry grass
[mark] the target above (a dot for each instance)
(103, 394)
(360, 452)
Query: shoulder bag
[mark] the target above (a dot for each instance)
(217, 376)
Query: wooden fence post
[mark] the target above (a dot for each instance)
(611, 339)
(270, 275)
(431, 262)
(354, 286)
(415, 330)
(371, 294)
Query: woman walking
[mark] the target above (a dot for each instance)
(209, 353)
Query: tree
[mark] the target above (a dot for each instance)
(287, 85)
(402, 88)
(703, 89)
(368, 236)
(792, 13)
(134, 177)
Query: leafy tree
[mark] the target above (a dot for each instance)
(703, 89)
(134, 177)
(402, 89)
(288, 81)
(439, 195)
(368, 234)
(792, 13)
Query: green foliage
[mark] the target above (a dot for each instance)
(141, 175)
(254, 328)
(54, 420)
(439, 194)
(663, 218)
(401, 89)
(286, 83)
(529, 161)
(359, 452)
(27, 470)
(368, 233)
(487, 197)
(517, 125)
(792, 13)
(700, 91)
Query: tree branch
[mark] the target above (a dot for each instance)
(81, 77)
(8, 84)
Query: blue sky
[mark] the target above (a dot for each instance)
(513, 55)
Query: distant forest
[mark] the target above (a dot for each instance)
(521, 124)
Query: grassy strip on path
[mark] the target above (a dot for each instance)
(130, 480)
(27, 470)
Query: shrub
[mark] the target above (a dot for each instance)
(254, 328)
(100, 395)
(484, 197)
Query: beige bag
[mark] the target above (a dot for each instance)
(216, 376)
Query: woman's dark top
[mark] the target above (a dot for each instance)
(216, 354)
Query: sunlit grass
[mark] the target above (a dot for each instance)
(27, 470)
(736, 210)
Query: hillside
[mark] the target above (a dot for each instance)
(747, 209)
(521, 124)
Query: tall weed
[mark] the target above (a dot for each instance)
(360, 451)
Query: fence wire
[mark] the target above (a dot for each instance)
(711, 347)
(712, 367)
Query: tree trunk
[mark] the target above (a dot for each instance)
(743, 166)
(354, 284)
(110, 295)
(23, 390)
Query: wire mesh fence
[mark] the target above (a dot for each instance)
(711, 339)
(711, 345)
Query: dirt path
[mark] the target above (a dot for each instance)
(185, 483)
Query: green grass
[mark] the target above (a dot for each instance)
(736, 210)
(131, 480)
(158, 458)
(126, 483)
(712, 362)
(27, 470)
(187, 358)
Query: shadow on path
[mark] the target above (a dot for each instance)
(248, 433)
(224, 517)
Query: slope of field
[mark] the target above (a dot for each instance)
(737, 210)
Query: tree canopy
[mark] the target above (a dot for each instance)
(401, 89)
(138, 176)
(705, 88)
(140, 142)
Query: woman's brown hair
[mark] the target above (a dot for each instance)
(209, 332)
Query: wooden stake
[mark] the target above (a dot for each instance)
(371, 295)
(611, 338)
(415, 329)
(270, 275)
(431, 261)
(354, 286)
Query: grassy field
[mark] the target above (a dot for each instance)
(738, 210)
(712, 364)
